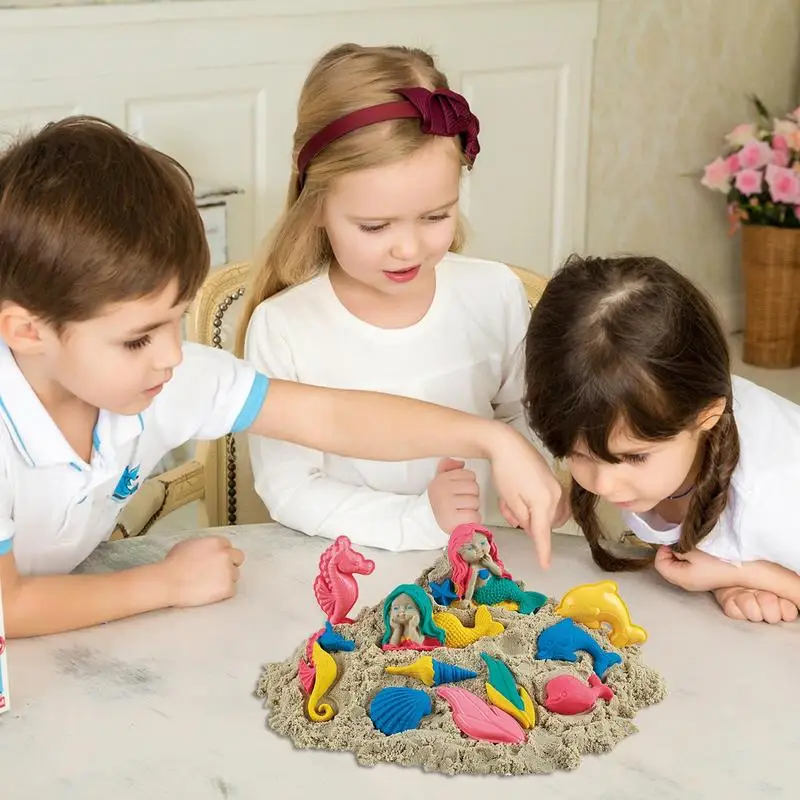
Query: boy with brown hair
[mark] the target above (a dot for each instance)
(101, 251)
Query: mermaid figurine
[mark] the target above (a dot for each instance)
(408, 620)
(478, 573)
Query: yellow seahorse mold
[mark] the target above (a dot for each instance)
(325, 678)
(526, 717)
(592, 604)
(456, 635)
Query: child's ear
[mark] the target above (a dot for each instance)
(20, 329)
(712, 414)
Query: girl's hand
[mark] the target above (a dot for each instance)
(454, 495)
(755, 606)
(695, 571)
(528, 491)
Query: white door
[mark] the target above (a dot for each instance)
(215, 84)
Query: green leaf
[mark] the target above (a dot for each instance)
(760, 108)
(501, 678)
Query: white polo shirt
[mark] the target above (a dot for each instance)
(760, 521)
(55, 508)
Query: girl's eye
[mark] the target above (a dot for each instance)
(137, 344)
(636, 458)
(373, 228)
(438, 217)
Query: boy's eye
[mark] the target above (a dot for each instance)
(137, 344)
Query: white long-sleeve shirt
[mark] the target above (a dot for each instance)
(465, 353)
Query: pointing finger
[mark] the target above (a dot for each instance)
(538, 528)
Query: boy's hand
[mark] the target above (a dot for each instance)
(529, 492)
(454, 495)
(754, 605)
(201, 571)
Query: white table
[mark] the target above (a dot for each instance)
(162, 706)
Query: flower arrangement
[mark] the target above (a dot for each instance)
(759, 171)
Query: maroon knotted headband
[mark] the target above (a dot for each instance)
(441, 112)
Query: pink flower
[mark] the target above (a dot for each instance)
(784, 184)
(796, 113)
(749, 181)
(717, 176)
(780, 151)
(793, 140)
(755, 154)
(780, 158)
(741, 134)
(734, 165)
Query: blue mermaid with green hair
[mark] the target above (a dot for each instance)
(408, 620)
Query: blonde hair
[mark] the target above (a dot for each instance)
(346, 79)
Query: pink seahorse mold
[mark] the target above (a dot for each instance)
(336, 588)
(336, 591)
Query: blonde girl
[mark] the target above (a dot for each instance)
(362, 287)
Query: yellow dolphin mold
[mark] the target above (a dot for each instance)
(592, 604)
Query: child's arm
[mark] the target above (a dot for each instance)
(699, 571)
(304, 492)
(195, 572)
(768, 577)
(291, 482)
(384, 427)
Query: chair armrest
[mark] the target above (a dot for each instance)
(182, 485)
(159, 496)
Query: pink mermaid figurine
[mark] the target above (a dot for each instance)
(478, 573)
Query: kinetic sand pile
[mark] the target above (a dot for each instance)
(555, 741)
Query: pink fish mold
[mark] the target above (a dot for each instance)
(566, 694)
(336, 587)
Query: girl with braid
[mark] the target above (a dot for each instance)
(628, 379)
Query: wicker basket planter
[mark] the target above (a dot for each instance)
(771, 271)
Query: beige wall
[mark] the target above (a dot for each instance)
(671, 78)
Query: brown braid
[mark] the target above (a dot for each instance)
(711, 493)
(584, 512)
